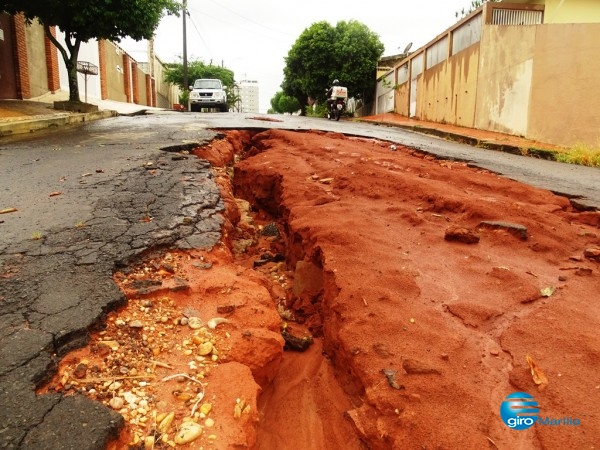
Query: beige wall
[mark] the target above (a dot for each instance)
(505, 78)
(166, 94)
(565, 96)
(537, 81)
(114, 73)
(141, 87)
(447, 91)
(401, 99)
(566, 11)
(36, 59)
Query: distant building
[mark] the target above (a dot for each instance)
(248, 92)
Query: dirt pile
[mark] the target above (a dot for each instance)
(424, 285)
(429, 335)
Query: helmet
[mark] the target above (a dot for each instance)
(336, 82)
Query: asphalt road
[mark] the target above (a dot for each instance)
(92, 198)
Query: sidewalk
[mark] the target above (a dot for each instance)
(27, 116)
(477, 138)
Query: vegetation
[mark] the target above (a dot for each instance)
(474, 5)
(198, 69)
(282, 104)
(348, 52)
(91, 19)
(580, 154)
(317, 110)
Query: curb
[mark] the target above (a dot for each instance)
(475, 142)
(48, 123)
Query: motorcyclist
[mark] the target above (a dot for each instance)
(330, 92)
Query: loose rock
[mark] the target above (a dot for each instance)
(188, 432)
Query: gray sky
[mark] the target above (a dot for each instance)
(252, 37)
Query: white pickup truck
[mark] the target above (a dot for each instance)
(208, 93)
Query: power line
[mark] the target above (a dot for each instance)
(250, 21)
(199, 34)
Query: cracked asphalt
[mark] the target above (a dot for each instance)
(93, 198)
(88, 200)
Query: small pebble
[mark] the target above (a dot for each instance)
(194, 323)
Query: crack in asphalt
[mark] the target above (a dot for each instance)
(59, 288)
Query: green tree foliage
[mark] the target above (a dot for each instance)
(474, 5)
(281, 103)
(198, 69)
(348, 52)
(91, 19)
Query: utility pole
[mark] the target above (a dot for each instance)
(185, 65)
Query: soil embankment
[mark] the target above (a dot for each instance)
(425, 285)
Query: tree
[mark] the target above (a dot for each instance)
(474, 5)
(198, 69)
(348, 52)
(281, 103)
(91, 19)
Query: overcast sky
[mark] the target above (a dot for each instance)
(252, 37)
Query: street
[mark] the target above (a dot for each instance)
(90, 199)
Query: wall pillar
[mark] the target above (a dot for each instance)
(52, 62)
(102, 69)
(127, 76)
(22, 64)
(134, 82)
(149, 93)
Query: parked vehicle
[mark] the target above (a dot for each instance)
(208, 93)
(337, 102)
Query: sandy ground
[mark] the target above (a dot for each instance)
(430, 291)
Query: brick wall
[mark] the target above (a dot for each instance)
(22, 66)
(102, 69)
(134, 82)
(52, 63)
(149, 96)
(127, 76)
(153, 81)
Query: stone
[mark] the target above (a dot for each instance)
(461, 234)
(136, 324)
(592, 253)
(414, 367)
(195, 323)
(515, 229)
(270, 230)
(188, 432)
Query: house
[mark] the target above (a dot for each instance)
(526, 68)
(31, 67)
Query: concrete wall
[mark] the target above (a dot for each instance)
(566, 11)
(87, 52)
(113, 58)
(447, 91)
(166, 94)
(36, 59)
(140, 78)
(537, 81)
(505, 78)
(565, 95)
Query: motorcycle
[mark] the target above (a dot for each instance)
(337, 106)
(337, 102)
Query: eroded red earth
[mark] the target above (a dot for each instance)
(425, 285)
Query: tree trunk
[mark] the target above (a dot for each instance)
(70, 60)
(72, 75)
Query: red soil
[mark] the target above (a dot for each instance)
(418, 335)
